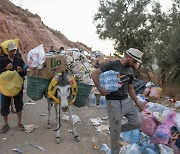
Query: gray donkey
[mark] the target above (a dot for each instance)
(63, 97)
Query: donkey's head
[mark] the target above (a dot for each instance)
(64, 92)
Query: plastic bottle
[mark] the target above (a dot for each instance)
(92, 100)
(135, 136)
(126, 136)
(132, 136)
(105, 148)
(109, 81)
(102, 101)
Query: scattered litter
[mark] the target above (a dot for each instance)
(159, 117)
(29, 103)
(173, 100)
(102, 128)
(105, 148)
(18, 150)
(36, 146)
(165, 149)
(4, 138)
(29, 128)
(42, 114)
(75, 118)
(96, 121)
(130, 148)
(70, 131)
(104, 118)
(95, 146)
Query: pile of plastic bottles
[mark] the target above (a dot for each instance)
(109, 80)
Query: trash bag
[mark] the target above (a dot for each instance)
(10, 83)
(5, 43)
(130, 149)
(149, 124)
(132, 136)
(36, 57)
(163, 131)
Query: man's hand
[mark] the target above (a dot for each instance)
(19, 69)
(9, 66)
(140, 106)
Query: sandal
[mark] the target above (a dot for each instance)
(21, 127)
(4, 128)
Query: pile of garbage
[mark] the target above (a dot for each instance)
(159, 132)
(79, 65)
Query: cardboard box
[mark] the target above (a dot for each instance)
(55, 63)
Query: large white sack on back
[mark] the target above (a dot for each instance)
(36, 57)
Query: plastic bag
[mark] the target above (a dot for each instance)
(165, 149)
(172, 145)
(155, 92)
(36, 57)
(130, 149)
(148, 123)
(132, 136)
(5, 43)
(146, 146)
(163, 132)
(10, 83)
(154, 107)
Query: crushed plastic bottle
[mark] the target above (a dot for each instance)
(18, 150)
(105, 148)
(132, 136)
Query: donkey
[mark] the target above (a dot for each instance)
(63, 97)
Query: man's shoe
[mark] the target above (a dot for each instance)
(4, 128)
(21, 127)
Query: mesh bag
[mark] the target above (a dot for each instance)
(37, 87)
(82, 95)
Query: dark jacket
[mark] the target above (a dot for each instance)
(4, 61)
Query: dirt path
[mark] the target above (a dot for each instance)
(45, 138)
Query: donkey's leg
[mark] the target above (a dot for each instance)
(58, 122)
(49, 113)
(74, 133)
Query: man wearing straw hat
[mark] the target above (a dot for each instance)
(119, 103)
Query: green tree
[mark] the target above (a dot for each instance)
(124, 22)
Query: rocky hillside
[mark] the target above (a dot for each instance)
(16, 22)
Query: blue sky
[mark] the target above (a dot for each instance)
(73, 18)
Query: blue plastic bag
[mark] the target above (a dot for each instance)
(132, 136)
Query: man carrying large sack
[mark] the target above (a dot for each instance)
(12, 63)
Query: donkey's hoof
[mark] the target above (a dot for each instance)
(48, 126)
(58, 140)
(77, 139)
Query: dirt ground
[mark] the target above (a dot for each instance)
(35, 113)
(45, 138)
